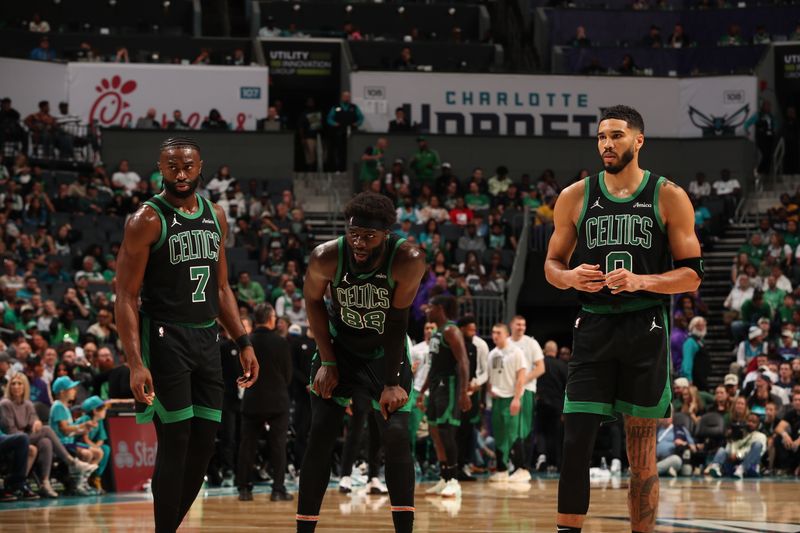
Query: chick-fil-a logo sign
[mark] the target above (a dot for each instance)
(111, 104)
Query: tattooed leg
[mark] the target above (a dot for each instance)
(643, 489)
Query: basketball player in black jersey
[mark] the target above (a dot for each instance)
(447, 380)
(373, 277)
(173, 253)
(625, 240)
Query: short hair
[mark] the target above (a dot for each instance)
(263, 312)
(447, 302)
(626, 113)
(466, 320)
(371, 205)
(501, 325)
(179, 142)
(518, 317)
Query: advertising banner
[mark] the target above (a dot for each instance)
(133, 452)
(115, 94)
(787, 73)
(495, 104)
(303, 64)
(29, 82)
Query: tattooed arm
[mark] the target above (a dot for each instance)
(643, 489)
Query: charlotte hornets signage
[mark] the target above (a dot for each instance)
(498, 104)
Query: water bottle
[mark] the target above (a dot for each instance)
(603, 464)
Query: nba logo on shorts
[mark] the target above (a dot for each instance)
(161, 331)
(577, 322)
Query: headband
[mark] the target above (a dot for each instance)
(367, 223)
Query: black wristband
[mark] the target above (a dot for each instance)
(243, 341)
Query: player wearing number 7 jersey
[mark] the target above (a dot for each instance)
(173, 253)
(629, 234)
(373, 278)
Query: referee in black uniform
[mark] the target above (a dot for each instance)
(266, 402)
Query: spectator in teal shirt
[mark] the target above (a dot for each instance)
(95, 410)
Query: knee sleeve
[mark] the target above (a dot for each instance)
(580, 432)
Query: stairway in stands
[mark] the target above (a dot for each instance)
(715, 288)
(323, 197)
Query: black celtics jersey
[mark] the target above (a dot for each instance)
(622, 233)
(360, 301)
(443, 362)
(180, 282)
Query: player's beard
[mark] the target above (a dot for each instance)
(624, 159)
(372, 260)
(171, 188)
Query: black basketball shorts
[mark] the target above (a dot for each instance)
(620, 363)
(187, 371)
(443, 405)
(363, 373)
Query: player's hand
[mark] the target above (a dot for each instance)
(586, 278)
(421, 402)
(325, 380)
(142, 385)
(515, 407)
(465, 402)
(249, 363)
(621, 280)
(392, 398)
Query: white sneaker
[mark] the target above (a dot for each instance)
(499, 477)
(438, 488)
(452, 489)
(616, 467)
(672, 472)
(520, 476)
(738, 472)
(713, 470)
(358, 477)
(79, 467)
(346, 485)
(376, 487)
(541, 462)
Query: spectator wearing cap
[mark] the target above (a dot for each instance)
(64, 389)
(760, 365)
(95, 410)
(425, 162)
(372, 166)
(788, 347)
(731, 384)
(752, 347)
(266, 402)
(397, 179)
(297, 314)
(342, 119)
(18, 415)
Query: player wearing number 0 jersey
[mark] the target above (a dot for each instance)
(625, 240)
(373, 277)
(172, 255)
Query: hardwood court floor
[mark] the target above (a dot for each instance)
(686, 506)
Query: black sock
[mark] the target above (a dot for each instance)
(568, 529)
(168, 475)
(326, 426)
(400, 479)
(201, 448)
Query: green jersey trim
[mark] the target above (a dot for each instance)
(656, 210)
(214, 216)
(154, 206)
(389, 277)
(642, 185)
(201, 207)
(595, 408)
(448, 417)
(624, 307)
(198, 325)
(586, 191)
(340, 264)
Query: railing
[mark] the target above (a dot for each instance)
(518, 268)
(70, 141)
(488, 308)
